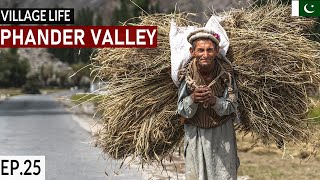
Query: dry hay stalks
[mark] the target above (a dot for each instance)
(277, 69)
(274, 63)
(270, 18)
(140, 108)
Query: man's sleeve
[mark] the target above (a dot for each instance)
(227, 104)
(186, 107)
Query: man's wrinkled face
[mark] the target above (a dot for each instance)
(205, 52)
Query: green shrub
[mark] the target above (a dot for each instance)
(32, 85)
(315, 113)
(13, 69)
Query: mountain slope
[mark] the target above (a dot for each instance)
(106, 7)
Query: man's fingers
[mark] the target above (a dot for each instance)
(198, 90)
(199, 97)
(201, 89)
(201, 94)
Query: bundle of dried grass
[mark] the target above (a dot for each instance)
(270, 18)
(274, 67)
(140, 109)
(277, 67)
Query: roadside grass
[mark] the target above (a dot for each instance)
(17, 91)
(315, 113)
(52, 90)
(10, 91)
(85, 97)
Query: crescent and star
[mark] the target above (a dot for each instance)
(306, 10)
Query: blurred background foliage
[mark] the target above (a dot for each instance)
(13, 69)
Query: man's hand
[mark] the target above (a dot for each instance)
(203, 94)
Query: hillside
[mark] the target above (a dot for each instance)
(38, 57)
(106, 7)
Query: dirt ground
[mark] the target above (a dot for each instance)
(271, 163)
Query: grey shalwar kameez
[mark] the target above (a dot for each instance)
(210, 153)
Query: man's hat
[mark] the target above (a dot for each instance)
(203, 33)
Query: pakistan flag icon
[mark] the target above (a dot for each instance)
(306, 8)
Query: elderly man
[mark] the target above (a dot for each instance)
(207, 103)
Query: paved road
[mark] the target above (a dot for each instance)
(38, 125)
